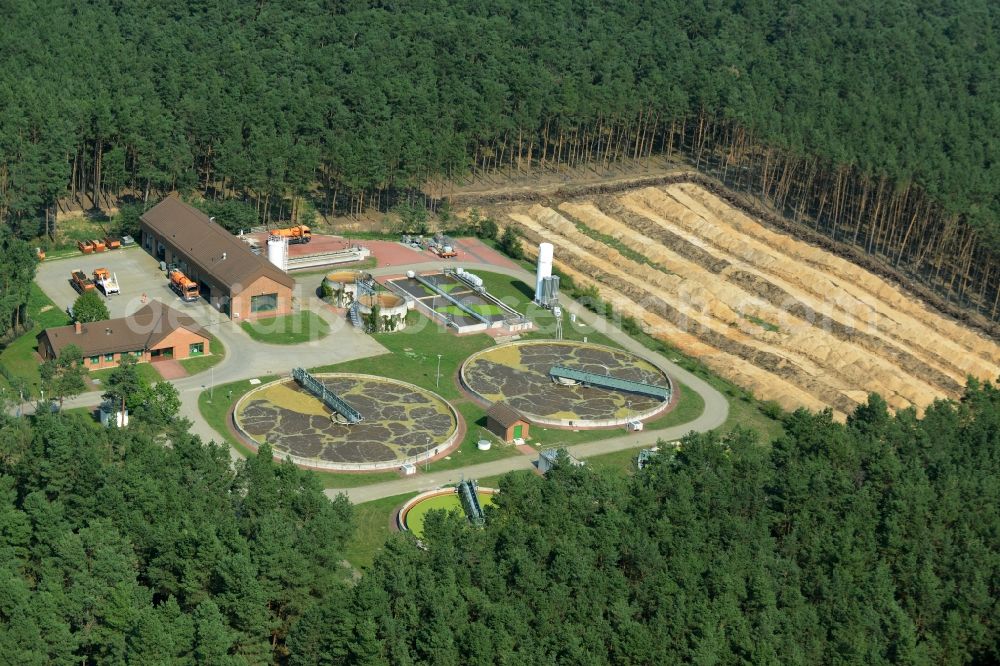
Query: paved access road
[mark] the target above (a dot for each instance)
(246, 358)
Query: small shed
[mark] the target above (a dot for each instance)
(506, 422)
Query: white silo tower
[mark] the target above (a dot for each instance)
(277, 251)
(545, 251)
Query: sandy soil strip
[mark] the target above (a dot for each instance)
(840, 366)
(910, 313)
(828, 294)
(761, 383)
(831, 345)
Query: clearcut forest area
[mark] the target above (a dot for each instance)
(785, 320)
(800, 201)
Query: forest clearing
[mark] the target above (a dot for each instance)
(786, 320)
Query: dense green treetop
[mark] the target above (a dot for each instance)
(272, 96)
(117, 549)
(870, 543)
(90, 307)
(873, 542)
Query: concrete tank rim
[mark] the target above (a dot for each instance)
(342, 276)
(428, 494)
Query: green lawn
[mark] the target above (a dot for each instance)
(485, 309)
(468, 453)
(494, 481)
(146, 371)
(290, 329)
(414, 356)
(197, 364)
(18, 356)
(371, 521)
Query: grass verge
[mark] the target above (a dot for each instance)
(18, 356)
(292, 329)
(197, 364)
(371, 529)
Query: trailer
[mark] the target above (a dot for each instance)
(106, 281)
(81, 282)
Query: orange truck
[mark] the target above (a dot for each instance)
(297, 234)
(81, 282)
(85, 246)
(112, 243)
(99, 245)
(185, 287)
(41, 253)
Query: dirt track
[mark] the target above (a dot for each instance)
(790, 321)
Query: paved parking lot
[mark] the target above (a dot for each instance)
(138, 273)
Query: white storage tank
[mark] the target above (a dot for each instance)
(545, 252)
(277, 251)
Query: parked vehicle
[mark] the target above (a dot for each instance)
(106, 281)
(185, 287)
(85, 246)
(297, 234)
(112, 243)
(99, 245)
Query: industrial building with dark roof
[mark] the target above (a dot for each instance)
(231, 277)
(155, 332)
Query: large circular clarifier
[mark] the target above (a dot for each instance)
(402, 423)
(518, 374)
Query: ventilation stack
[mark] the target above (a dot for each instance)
(545, 251)
(277, 251)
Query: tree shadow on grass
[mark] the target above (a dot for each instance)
(525, 289)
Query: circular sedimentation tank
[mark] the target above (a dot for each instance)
(411, 516)
(517, 373)
(402, 423)
(341, 278)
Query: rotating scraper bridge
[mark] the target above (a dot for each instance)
(569, 376)
(328, 397)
